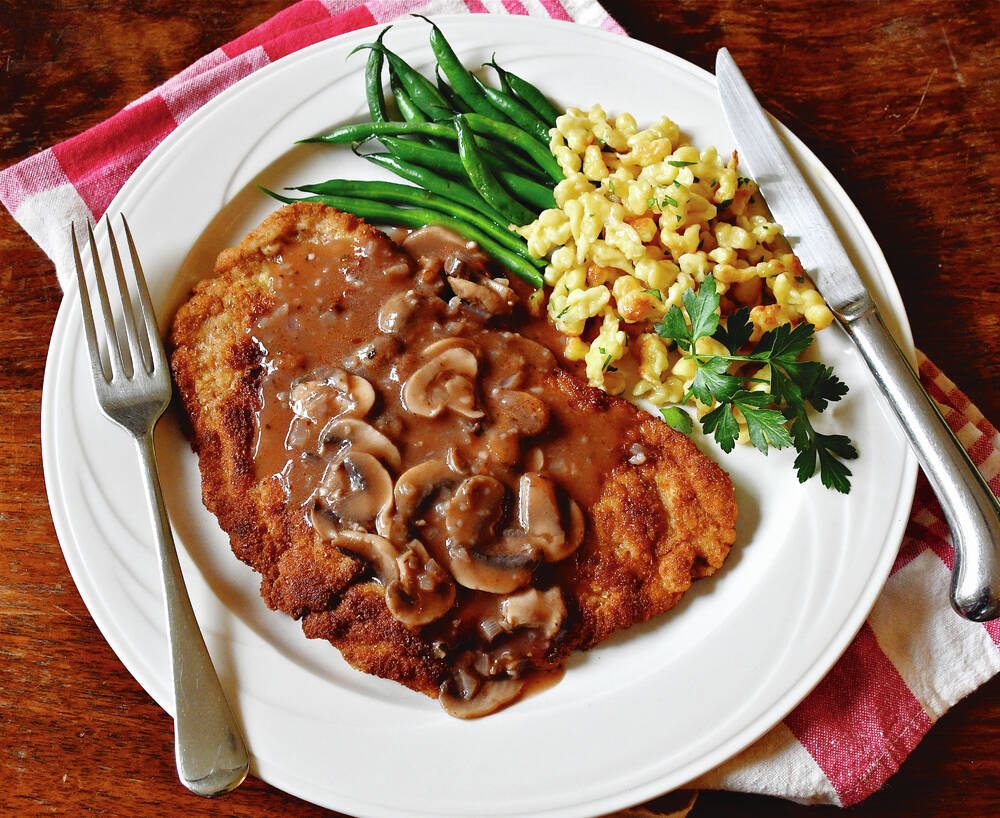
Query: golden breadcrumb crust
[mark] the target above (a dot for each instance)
(658, 525)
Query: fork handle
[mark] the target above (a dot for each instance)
(211, 755)
(971, 508)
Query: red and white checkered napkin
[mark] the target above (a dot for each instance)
(913, 659)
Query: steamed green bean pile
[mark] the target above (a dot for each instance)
(477, 158)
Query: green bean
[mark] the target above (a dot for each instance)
(392, 193)
(510, 158)
(538, 197)
(528, 93)
(347, 134)
(449, 94)
(459, 76)
(409, 111)
(432, 181)
(503, 156)
(418, 217)
(442, 161)
(501, 75)
(360, 132)
(521, 115)
(483, 179)
(519, 139)
(373, 82)
(427, 156)
(421, 90)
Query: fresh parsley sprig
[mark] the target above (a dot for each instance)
(776, 418)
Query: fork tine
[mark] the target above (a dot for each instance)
(96, 364)
(158, 356)
(114, 349)
(135, 353)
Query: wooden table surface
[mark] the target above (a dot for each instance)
(898, 99)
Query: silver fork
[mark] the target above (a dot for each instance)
(133, 389)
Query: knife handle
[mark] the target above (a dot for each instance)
(970, 507)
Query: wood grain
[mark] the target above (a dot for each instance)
(898, 99)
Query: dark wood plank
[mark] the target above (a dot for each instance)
(898, 99)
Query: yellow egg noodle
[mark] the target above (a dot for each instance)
(640, 218)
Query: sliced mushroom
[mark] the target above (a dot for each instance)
(436, 248)
(489, 295)
(358, 491)
(534, 609)
(326, 525)
(515, 415)
(520, 412)
(537, 509)
(495, 573)
(376, 551)
(486, 697)
(424, 591)
(538, 513)
(339, 393)
(498, 447)
(447, 343)
(543, 611)
(417, 589)
(577, 526)
(446, 381)
(418, 483)
(344, 433)
(534, 460)
(374, 357)
(397, 310)
(474, 510)
(504, 564)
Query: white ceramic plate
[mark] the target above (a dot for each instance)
(640, 715)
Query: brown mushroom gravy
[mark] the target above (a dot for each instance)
(405, 410)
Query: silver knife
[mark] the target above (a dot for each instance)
(971, 509)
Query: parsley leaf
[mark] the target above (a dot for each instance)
(677, 419)
(766, 427)
(736, 332)
(673, 326)
(777, 418)
(829, 450)
(723, 423)
(712, 382)
(822, 386)
(702, 308)
(784, 344)
(678, 163)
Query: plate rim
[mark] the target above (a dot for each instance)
(816, 671)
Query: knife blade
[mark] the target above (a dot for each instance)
(970, 507)
(788, 195)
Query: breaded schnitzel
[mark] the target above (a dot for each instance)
(413, 476)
